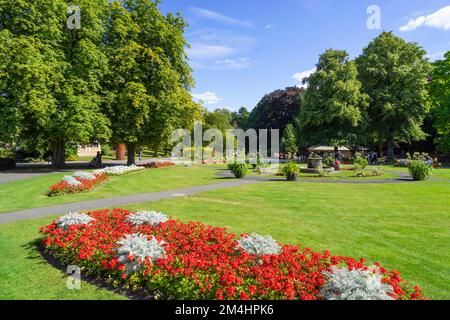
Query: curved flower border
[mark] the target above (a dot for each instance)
(201, 262)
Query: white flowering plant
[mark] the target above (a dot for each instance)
(84, 175)
(119, 170)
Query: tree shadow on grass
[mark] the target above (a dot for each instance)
(36, 252)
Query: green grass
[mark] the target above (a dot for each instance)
(339, 175)
(31, 193)
(404, 226)
(24, 274)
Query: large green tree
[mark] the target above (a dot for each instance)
(440, 97)
(276, 110)
(395, 74)
(333, 105)
(147, 87)
(50, 75)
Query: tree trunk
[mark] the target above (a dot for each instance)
(380, 149)
(131, 148)
(59, 153)
(120, 151)
(390, 149)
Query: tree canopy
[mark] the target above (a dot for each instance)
(51, 75)
(276, 110)
(333, 105)
(395, 74)
(440, 97)
(123, 75)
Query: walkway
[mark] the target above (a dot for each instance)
(112, 202)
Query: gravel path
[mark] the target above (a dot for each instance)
(111, 202)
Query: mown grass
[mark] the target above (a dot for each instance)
(24, 274)
(31, 193)
(404, 226)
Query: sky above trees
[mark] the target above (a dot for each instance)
(241, 50)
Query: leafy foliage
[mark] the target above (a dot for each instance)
(420, 170)
(395, 74)
(73, 218)
(135, 249)
(360, 163)
(289, 169)
(151, 218)
(259, 245)
(344, 284)
(333, 106)
(239, 170)
(440, 97)
(276, 110)
(289, 142)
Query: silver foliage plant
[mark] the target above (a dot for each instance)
(71, 181)
(152, 218)
(73, 218)
(259, 245)
(138, 246)
(84, 175)
(344, 284)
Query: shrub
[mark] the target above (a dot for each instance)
(239, 170)
(328, 160)
(419, 170)
(152, 218)
(345, 284)
(360, 163)
(199, 261)
(259, 245)
(290, 170)
(73, 218)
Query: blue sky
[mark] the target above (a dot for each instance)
(241, 50)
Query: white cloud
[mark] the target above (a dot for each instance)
(439, 19)
(207, 97)
(299, 76)
(435, 56)
(203, 50)
(240, 63)
(269, 26)
(218, 17)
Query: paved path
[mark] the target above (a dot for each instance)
(35, 169)
(111, 202)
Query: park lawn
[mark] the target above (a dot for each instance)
(403, 226)
(24, 274)
(339, 175)
(31, 193)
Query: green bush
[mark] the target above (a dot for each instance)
(360, 163)
(238, 169)
(328, 160)
(290, 170)
(107, 150)
(419, 170)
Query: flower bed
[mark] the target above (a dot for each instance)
(156, 165)
(78, 182)
(146, 250)
(119, 170)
